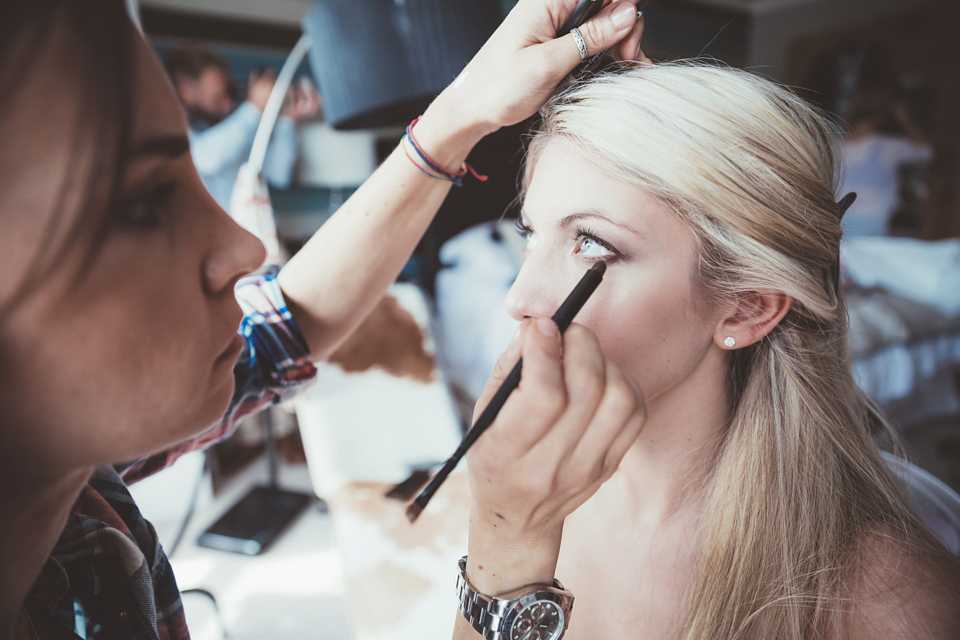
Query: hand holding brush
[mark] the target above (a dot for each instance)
(562, 318)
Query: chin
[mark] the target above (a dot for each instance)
(207, 415)
(218, 401)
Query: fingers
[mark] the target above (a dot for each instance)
(301, 103)
(584, 377)
(573, 408)
(616, 425)
(599, 33)
(263, 75)
(501, 368)
(560, 435)
(541, 397)
(629, 47)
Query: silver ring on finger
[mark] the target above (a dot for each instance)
(581, 45)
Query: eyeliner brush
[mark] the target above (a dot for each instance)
(563, 317)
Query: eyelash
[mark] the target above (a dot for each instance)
(523, 230)
(142, 212)
(583, 233)
(580, 234)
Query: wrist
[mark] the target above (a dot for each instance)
(444, 135)
(501, 560)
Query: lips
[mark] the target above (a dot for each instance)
(235, 345)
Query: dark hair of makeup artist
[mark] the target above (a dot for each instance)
(188, 62)
(101, 44)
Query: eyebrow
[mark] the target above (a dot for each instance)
(574, 217)
(171, 146)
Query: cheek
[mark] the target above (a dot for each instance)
(655, 336)
(126, 372)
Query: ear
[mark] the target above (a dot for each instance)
(755, 315)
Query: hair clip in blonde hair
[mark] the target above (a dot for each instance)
(843, 204)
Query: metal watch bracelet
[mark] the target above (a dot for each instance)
(534, 612)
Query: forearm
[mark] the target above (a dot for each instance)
(344, 270)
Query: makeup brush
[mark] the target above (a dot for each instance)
(563, 317)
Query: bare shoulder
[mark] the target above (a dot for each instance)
(904, 593)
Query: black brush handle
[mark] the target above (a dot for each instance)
(486, 418)
(489, 413)
(562, 318)
(579, 296)
(584, 10)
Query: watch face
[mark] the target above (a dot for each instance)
(539, 620)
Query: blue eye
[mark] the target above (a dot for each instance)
(591, 248)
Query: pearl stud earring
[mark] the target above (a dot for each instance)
(729, 342)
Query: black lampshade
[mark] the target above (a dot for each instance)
(380, 62)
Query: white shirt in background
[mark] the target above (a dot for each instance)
(219, 151)
(871, 163)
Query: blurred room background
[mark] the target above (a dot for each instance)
(320, 579)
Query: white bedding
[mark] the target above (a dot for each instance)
(903, 298)
(914, 381)
(927, 272)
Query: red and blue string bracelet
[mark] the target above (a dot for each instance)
(454, 177)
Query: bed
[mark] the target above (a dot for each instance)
(903, 301)
(905, 354)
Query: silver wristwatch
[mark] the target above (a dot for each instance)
(534, 612)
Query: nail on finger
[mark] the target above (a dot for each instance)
(547, 327)
(621, 16)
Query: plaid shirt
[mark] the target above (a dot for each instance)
(108, 560)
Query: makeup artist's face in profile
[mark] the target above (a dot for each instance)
(644, 313)
(117, 355)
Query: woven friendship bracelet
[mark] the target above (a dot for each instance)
(454, 177)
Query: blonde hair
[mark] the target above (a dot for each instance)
(798, 484)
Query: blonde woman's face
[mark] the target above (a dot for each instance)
(644, 312)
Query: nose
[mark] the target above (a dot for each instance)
(234, 252)
(535, 293)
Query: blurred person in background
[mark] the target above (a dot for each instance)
(857, 83)
(221, 133)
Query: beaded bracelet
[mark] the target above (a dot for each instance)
(439, 173)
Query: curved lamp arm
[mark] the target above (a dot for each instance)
(272, 110)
